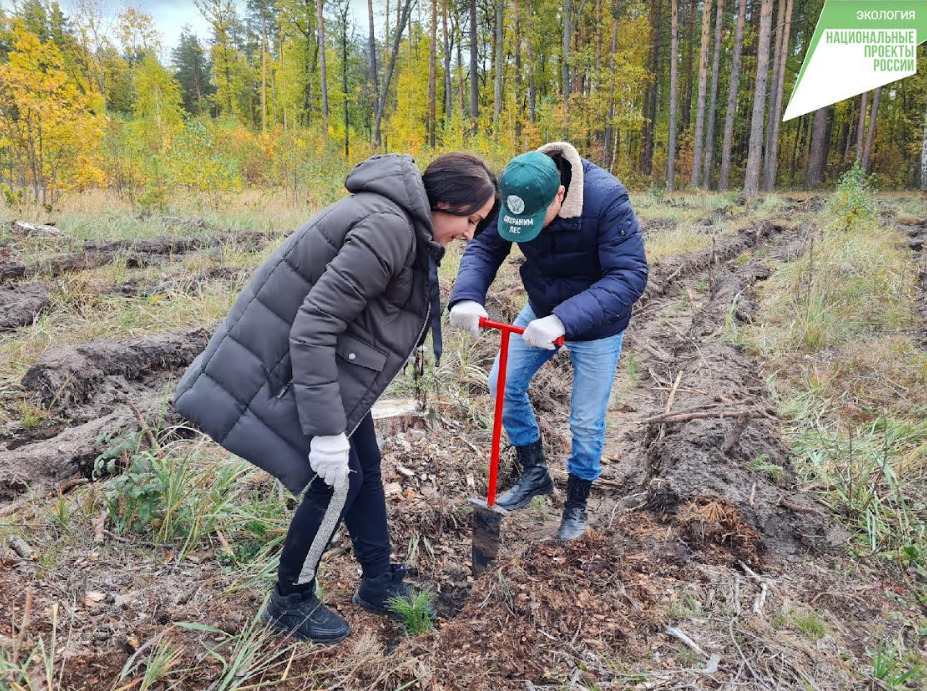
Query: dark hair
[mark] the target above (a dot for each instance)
(564, 168)
(459, 183)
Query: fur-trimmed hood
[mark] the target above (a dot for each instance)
(573, 203)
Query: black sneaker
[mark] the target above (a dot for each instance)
(375, 593)
(304, 616)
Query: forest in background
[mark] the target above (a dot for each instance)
(288, 94)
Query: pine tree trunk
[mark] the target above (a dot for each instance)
(861, 125)
(690, 63)
(610, 136)
(652, 93)
(474, 68)
(817, 157)
(755, 150)
(324, 74)
(732, 90)
(695, 178)
(775, 113)
(713, 98)
(498, 59)
(870, 133)
(671, 135)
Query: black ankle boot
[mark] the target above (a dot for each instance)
(304, 616)
(574, 520)
(376, 592)
(533, 481)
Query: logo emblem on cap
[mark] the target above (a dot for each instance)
(515, 203)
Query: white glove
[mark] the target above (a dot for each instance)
(541, 333)
(465, 315)
(328, 457)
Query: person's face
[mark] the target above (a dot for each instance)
(448, 226)
(554, 207)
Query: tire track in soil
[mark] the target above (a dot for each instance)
(97, 389)
(917, 239)
(697, 474)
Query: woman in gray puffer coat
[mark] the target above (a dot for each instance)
(288, 380)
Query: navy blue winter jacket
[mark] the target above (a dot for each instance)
(588, 270)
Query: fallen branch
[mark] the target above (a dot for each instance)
(679, 635)
(705, 415)
(764, 584)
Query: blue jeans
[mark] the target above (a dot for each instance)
(594, 365)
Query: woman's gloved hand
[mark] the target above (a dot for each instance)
(328, 457)
(465, 315)
(541, 333)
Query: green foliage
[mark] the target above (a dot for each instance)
(762, 464)
(892, 670)
(414, 613)
(154, 492)
(851, 206)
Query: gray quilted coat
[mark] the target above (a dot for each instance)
(324, 326)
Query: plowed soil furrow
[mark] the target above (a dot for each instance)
(712, 461)
(139, 253)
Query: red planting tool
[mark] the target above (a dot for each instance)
(487, 517)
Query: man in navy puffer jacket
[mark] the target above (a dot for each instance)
(584, 269)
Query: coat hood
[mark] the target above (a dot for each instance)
(396, 177)
(572, 206)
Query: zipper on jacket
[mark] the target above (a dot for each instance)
(414, 346)
(283, 390)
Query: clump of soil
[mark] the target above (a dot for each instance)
(20, 305)
(105, 372)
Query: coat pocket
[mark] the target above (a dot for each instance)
(357, 352)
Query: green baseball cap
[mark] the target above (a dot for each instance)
(528, 185)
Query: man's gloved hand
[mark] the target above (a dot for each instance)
(328, 457)
(541, 333)
(465, 315)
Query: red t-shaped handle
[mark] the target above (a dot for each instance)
(507, 330)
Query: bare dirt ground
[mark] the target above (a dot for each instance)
(707, 564)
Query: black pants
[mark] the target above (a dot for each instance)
(364, 514)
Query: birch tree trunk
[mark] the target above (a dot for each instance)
(372, 49)
(433, 75)
(323, 74)
(497, 94)
(567, 38)
(384, 92)
(474, 68)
